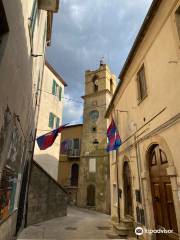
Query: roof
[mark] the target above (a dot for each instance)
(146, 23)
(75, 125)
(55, 73)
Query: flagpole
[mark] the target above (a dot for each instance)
(117, 172)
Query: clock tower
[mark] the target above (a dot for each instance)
(94, 188)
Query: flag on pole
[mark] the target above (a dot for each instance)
(47, 140)
(64, 146)
(114, 140)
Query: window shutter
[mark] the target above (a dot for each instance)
(51, 120)
(141, 84)
(60, 93)
(57, 122)
(33, 18)
(76, 143)
(138, 87)
(54, 87)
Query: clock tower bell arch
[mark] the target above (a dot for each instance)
(100, 85)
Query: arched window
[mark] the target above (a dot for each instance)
(74, 174)
(95, 83)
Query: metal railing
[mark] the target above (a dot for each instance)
(73, 152)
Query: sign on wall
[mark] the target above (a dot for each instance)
(92, 165)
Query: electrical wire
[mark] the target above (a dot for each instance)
(75, 101)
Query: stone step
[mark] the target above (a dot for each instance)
(123, 230)
(126, 222)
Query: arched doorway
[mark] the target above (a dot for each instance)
(162, 196)
(74, 174)
(128, 209)
(91, 192)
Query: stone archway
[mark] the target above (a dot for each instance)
(161, 191)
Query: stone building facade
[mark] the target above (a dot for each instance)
(69, 162)
(50, 117)
(145, 171)
(94, 168)
(24, 30)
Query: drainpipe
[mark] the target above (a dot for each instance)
(117, 173)
(139, 168)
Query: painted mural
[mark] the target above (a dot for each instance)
(10, 163)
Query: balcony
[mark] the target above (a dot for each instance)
(49, 5)
(73, 153)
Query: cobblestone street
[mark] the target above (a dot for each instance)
(78, 224)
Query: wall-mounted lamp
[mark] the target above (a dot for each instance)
(172, 61)
(36, 55)
(95, 142)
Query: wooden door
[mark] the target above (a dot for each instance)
(91, 195)
(163, 204)
(74, 174)
(127, 190)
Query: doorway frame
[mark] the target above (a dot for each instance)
(171, 172)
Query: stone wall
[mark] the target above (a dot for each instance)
(46, 198)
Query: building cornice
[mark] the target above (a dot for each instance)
(97, 93)
(55, 73)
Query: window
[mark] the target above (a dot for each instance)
(76, 143)
(3, 20)
(95, 83)
(54, 121)
(92, 165)
(57, 122)
(153, 161)
(177, 15)
(51, 120)
(94, 129)
(60, 93)
(54, 87)
(141, 84)
(163, 157)
(57, 90)
(33, 20)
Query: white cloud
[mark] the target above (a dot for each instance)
(86, 30)
(73, 110)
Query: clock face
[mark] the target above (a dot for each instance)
(94, 115)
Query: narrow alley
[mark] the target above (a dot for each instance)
(89, 119)
(78, 224)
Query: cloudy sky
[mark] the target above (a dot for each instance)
(84, 31)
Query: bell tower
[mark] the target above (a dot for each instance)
(93, 191)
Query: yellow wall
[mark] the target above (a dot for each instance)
(49, 158)
(160, 54)
(64, 172)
